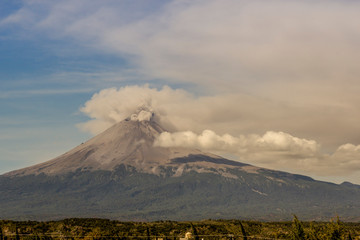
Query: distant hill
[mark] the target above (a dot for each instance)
(119, 174)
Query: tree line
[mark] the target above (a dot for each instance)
(101, 229)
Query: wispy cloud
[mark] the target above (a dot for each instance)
(298, 51)
(275, 49)
(37, 92)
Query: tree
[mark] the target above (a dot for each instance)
(297, 230)
(193, 229)
(3, 236)
(17, 236)
(147, 233)
(335, 229)
(243, 232)
(313, 233)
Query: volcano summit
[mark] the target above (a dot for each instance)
(120, 174)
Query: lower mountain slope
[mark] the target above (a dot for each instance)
(127, 194)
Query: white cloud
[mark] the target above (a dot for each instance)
(347, 158)
(277, 150)
(270, 141)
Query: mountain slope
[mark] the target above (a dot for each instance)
(128, 142)
(119, 174)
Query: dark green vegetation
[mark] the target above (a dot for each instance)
(127, 195)
(78, 228)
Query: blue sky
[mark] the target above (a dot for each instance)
(281, 76)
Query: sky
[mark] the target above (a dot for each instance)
(273, 83)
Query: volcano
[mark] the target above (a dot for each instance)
(129, 143)
(120, 174)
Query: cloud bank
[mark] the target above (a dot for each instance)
(277, 150)
(269, 142)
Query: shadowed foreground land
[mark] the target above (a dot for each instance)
(85, 228)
